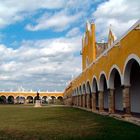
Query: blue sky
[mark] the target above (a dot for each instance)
(40, 40)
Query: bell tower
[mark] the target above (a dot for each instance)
(88, 45)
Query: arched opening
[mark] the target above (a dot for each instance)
(96, 92)
(59, 100)
(84, 94)
(29, 99)
(2, 99)
(10, 100)
(20, 100)
(132, 78)
(115, 82)
(44, 100)
(90, 94)
(77, 96)
(80, 89)
(103, 87)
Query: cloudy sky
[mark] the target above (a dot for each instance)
(40, 40)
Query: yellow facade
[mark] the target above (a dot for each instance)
(116, 55)
(32, 94)
(88, 46)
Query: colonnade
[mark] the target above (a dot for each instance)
(29, 99)
(116, 93)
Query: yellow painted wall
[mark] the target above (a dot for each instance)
(116, 55)
(33, 94)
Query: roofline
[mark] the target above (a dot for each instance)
(108, 49)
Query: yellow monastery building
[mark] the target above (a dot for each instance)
(24, 97)
(110, 78)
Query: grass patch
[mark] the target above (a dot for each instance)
(19, 122)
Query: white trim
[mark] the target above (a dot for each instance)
(80, 89)
(59, 96)
(102, 73)
(94, 77)
(130, 57)
(110, 85)
(83, 86)
(89, 85)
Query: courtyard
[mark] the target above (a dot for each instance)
(24, 122)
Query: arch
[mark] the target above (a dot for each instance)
(44, 100)
(127, 68)
(3, 99)
(77, 91)
(115, 82)
(112, 71)
(95, 91)
(84, 95)
(29, 99)
(81, 97)
(10, 99)
(90, 94)
(132, 73)
(60, 97)
(101, 80)
(103, 87)
(59, 100)
(74, 92)
(80, 90)
(94, 84)
(84, 88)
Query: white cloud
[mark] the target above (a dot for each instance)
(12, 11)
(121, 14)
(46, 64)
(74, 12)
(74, 32)
(58, 22)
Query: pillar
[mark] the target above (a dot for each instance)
(126, 99)
(93, 102)
(88, 101)
(83, 100)
(111, 101)
(101, 101)
(26, 101)
(79, 100)
(73, 100)
(6, 100)
(15, 101)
